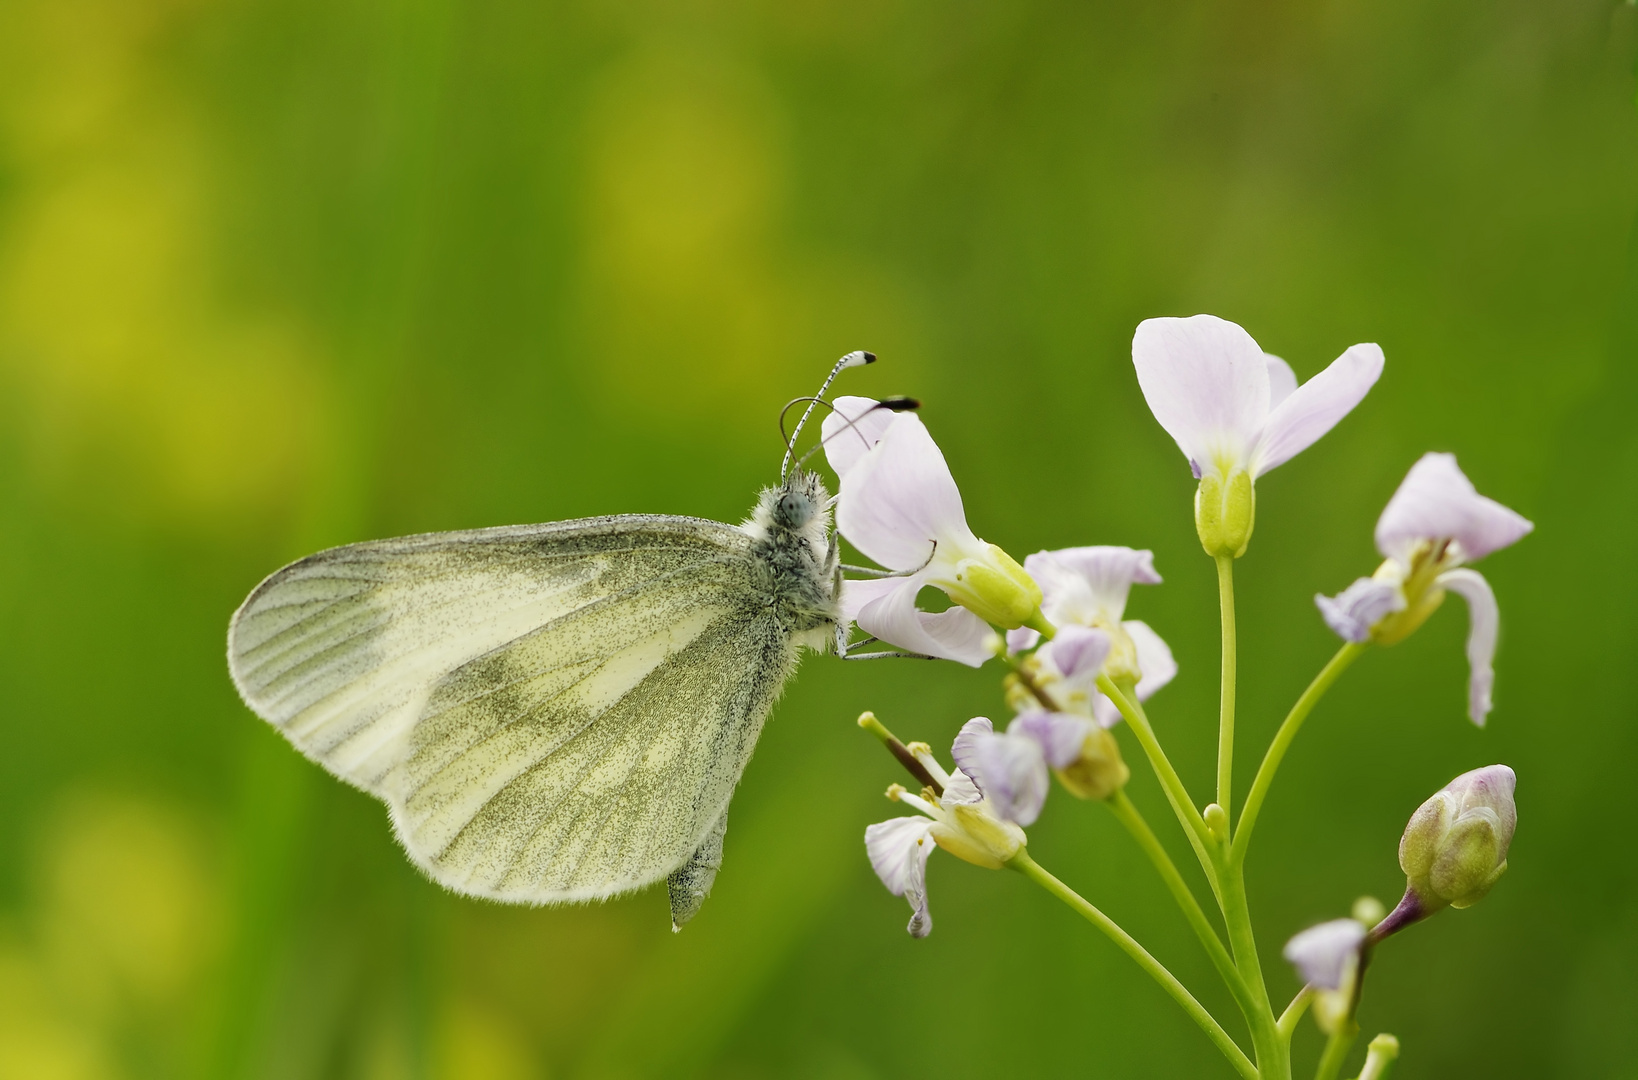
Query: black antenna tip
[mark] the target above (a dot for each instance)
(869, 357)
(899, 404)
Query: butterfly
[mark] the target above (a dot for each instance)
(554, 712)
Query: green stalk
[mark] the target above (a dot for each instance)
(1225, 715)
(1282, 742)
(1129, 816)
(1197, 1012)
(1170, 782)
(1336, 1050)
(1273, 1055)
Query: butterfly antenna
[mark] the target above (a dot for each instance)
(893, 404)
(857, 358)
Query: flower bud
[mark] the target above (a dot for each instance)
(1225, 509)
(995, 588)
(1099, 772)
(1455, 846)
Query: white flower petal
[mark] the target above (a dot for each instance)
(1281, 380)
(1315, 407)
(1077, 653)
(853, 427)
(857, 592)
(1059, 735)
(1484, 620)
(1022, 639)
(898, 852)
(899, 500)
(1105, 712)
(1009, 769)
(1436, 501)
(1352, 612)
(1325, 954)
(956, 634)
(1206, 381)
(961, 791)
(1085, 584)
(1154, 657)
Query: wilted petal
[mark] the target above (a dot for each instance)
(956, 634)
(1059, 735)
(1281, 380)
(1009, 769)
(1086, 584)
(1325, 954)
(1206, 381)
(1484, 620)
(1352, 612)
(855, 425)
(1436, 501)
(899, 500)
(898, 851)
(1315, 407)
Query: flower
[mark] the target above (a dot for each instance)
(1434, 524)
(1237, 412)
(1325, 955)
(956, 816)
(1087, 587)
(1455, 846)
(899, 505)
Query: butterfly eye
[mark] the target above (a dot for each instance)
(794, 510)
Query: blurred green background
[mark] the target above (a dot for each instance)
(281, 275)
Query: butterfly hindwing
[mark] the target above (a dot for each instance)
(552, 712)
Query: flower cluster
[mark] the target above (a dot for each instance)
(1076, 666)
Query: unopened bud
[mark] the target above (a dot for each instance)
(1217, 822)
(1225, 509)
(1099, 772)
(996, 589)
(1455, 846)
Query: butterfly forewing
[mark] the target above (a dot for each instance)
(553, 712)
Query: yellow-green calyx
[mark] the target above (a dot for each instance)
(1225, 509)
(1099, 772)
(995, 588)
(1422, 597)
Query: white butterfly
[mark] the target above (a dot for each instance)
(551, 712)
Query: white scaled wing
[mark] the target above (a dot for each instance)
(552, 712)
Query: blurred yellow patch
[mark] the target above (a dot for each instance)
(136, 380)
(129, 912)
(694, 303)
(475, 1044)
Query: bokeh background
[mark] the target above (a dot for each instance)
(281, 275)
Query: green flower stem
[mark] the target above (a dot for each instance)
(1380, 1055)
(1336, 1050)
(1225, 715)
(1287, 1024)
(1273, 1055)
(1170, 782)
(1282, 742)
(1129, 816)
(1197, 1012)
